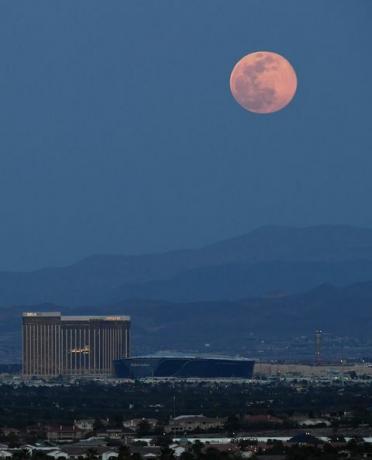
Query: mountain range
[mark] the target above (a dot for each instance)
(266, 262)
(225, 326)
(275, 283)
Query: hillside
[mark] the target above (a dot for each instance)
(265, 260)
(236, 326)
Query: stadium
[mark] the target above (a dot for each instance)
(183, 367)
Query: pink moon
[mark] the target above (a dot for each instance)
(263, 82)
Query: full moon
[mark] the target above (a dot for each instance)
(263, 82)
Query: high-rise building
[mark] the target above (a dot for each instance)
(56, 345)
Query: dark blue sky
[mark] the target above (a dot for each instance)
(118, 133)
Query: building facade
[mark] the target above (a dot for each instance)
(190, 423)
(56, 345)
(200, 367)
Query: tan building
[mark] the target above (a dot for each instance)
(73, 345)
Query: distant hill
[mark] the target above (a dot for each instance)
(229, 326)
(343, 311)
(265, 260)
(239, 281)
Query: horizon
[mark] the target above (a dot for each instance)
(195, 248)
(185, 229)
(122, 135)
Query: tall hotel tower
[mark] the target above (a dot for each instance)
(73, 345)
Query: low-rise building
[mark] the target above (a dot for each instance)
(86, 424)
(113, 433)
(135, 423)
(190, 423)
(58, 454)
(63, 433)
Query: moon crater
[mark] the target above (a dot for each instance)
(263, 82)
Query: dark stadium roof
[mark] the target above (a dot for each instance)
(191, 356)
(184, 366)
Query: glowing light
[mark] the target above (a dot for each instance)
(263, 82)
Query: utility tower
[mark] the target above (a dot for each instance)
(318, 346)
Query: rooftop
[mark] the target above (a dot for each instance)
(177, 355)
(49, 314)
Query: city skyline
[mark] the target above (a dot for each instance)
(186, 235)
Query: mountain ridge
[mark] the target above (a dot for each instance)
(231, 326)
(270, 258)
